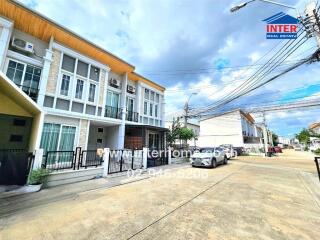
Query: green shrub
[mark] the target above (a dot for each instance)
(317, 152)
(38, 176)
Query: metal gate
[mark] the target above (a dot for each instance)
(157, 158)
(124, 160)
(14, 166)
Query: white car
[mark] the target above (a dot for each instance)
(209, 157)
(228, 148)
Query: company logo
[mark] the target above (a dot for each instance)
(281, 26)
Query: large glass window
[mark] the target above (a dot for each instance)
(82, 68)
(152, 96)
(156, 110)
(79, 89)
(32, 77)
(145, 108)
(65, 83)
(157, 97)
(146, 94)
(15, 72)
(151, 109)
(113, 99)
(92, 92)
(94, 73)
(68, 63)
(130, 103)
(50, 137)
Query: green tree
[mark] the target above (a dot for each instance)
(186, 134)
(174, 132)
(275, 139)
(303, 136)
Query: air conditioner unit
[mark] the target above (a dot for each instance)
(131, 89)
(22, 45)
(114, 82)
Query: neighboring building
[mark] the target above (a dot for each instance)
(315, 127)
(90, 98)
(284, 140)
(235, 127)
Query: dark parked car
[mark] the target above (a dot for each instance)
(275, 149)
(239, 150)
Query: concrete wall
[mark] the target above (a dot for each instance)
(54, 72)
(83, 133)
(109, 137)
(72, 176)
(224, 129)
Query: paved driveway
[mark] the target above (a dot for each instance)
(243, 200)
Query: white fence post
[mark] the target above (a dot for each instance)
(145, 157)
(106, 155)
(38, 155)
(169, 156)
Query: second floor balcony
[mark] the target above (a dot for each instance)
(112, 112)
(132, 116)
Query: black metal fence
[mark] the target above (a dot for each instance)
(316, 160)
(124, 160)
(15, 165)
(157, 158)
(132, 116)
(112, 112)
(60, 160)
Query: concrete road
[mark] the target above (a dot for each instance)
(247, 199)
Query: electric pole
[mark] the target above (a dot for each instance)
(313, 18)
(265, 134)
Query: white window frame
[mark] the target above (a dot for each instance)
(95, 92)
(70, 85)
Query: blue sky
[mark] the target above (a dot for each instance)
(189, 46)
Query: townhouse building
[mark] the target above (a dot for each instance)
(315, 127)
(89, 97)
(234, 127)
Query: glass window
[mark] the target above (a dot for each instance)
(68, 63)
(32, 77)
(151, 109)
(65, 85)
(152, 96)
(92, 92)
(50, 137)
(79, 89)
(146, 94)
(67, 138)
(145, 108)
(15, 72)
(82, 68)
(94, 73)
(156, 110)
(157, 98)
(113, 99)
(130, 103)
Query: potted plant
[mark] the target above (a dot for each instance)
(36, 178)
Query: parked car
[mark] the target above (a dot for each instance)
(209, 157)
(297, 148)
(239, 150)
(228, 148)
(274, 149)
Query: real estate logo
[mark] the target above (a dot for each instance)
(281, 26)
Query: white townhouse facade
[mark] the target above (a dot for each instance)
(89, 97)
(234, 127)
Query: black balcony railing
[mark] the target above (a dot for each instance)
(112, 112)
(132, 116)
(31, 92)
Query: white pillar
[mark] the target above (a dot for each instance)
(145, 157)
(169, 155)
(163, 117)
(38, 155)
(44, 76)
(4, 40)
(122, 127)
(106, 155)
(138, 99)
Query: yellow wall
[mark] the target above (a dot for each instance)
(8, 106)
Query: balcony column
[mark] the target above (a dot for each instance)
(123, 109)
(44, 76)
(138, 99)
(4, 40)
(163, 118)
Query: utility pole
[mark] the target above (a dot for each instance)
(313, 17)
(265, 134)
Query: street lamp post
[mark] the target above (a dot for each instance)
(241, 5)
